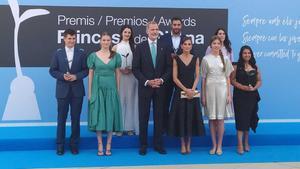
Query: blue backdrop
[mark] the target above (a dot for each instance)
(271, 28)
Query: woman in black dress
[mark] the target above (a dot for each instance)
(185, 118)
(246, 79)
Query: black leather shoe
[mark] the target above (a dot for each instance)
(160, 150)
(74, 150)
(143, 151)
(60, 150)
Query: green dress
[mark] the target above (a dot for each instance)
(104, 112)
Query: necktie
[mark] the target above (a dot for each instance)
(153, 52)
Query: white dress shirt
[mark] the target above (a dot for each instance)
(155, 44)
(70, 55)
(176, 41)
(150, 42)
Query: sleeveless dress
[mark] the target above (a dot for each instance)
(185, 117)
(246, 102)
(216, 87)
(128, 90)
(104, 111)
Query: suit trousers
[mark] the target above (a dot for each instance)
(63, 104)
(158, 115)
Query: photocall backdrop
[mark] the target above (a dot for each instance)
(273, 35)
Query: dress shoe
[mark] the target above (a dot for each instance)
(74, 150)
(160, 150)
(143, 151)
(60, 150)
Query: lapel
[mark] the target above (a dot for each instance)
(158, 53)
(179, 50)
(65, 59)
(170, 40)
(75, 57)
(148, 55)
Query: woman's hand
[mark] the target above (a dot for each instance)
(228, 99)
(190, 93)
(203, 100)
(125, 71)
(89, 97)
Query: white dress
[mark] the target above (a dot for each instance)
(216, 87)
(224, 52)
(128, 90)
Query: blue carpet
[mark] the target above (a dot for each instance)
(43, 138)
(129, 157)
(34, 147)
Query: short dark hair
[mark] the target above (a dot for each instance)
(176, 19)
(69, 32)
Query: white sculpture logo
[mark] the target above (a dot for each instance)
(21, 103)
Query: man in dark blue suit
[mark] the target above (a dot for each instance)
(152, 68)
(172, 41)
(68, 67)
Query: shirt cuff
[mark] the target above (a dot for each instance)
(162, 81)
(146, 82)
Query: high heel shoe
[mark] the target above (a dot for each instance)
(219, 152)
(240, 150)
(100, 150)
(188, 151)
(247, 148)
(130, 133)
(108, 149)
(183, 150)
(212, 151)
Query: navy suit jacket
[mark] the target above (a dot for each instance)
(143, 67)
(59, 66)
(167, 39)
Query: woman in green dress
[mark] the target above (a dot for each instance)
(104, 112)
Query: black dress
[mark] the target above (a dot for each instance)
(246, 102)
(185, 117)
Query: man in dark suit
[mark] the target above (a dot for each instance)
(172, 41)
(152, 68)
(68, 67)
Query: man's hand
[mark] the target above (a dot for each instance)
(70, 77)
(153, 84)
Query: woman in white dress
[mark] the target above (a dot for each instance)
(225, 44)
(216, 95)
(128, 83)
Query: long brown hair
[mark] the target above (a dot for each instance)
(213, 38)
(112, 53)
(131, 38)
(227, 42)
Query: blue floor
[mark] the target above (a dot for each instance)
(34, 147)
(130, 157)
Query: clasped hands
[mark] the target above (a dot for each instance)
(249, 88)
(126, 70)
(155, 83)
(190, 93)
(70, 77)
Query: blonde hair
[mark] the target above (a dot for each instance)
(213, 38)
